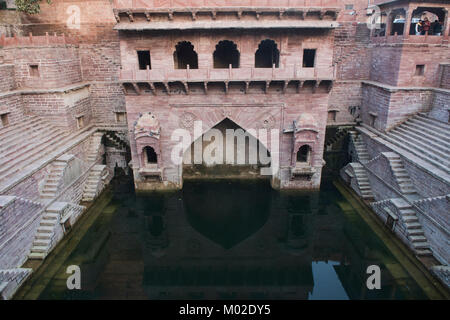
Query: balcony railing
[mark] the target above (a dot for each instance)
(122, 4)
(421, 39)
(294, 72)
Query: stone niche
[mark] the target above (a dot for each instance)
(305, 141)
(147, 131)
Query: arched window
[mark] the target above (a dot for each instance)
(226, 53)
(151, 155)
(185, 55)
(398, 19)
(267, 54)
(303, 153)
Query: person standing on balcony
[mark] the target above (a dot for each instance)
(426, 26)
(437, 28)
(419, 28)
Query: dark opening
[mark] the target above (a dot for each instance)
(267, 55)
(332, 115)
(372, 119)
(420, 70)
(34, 70)
(226, 53)
(309, 56)
(4, 119)
(185, 55)
(303, 153)
(151, 155)
(156, 225)
(144, 59)
(398, 23)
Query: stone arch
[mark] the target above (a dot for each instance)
(150, 154)
(242, 150)
(397, 21)
(185, 55)
(303, 154)
(267, 54)
(226, 54)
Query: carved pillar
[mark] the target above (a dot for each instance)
(388, 23)
(408, 18)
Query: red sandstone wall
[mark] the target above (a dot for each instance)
(12, 104)
(60, 108)
(342, 96)
(7, 80)
(58, 66)
(385, 64)
(444, 76)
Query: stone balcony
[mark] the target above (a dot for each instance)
(410, 39)
(197, 15)
(293, 76)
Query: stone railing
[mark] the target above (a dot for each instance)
(31, 40)
(230, 74)
(222, 3)
(410, 39)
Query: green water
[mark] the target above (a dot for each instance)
(228, 239)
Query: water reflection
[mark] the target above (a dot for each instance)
(233, 239)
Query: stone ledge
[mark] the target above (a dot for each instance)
(228, 25)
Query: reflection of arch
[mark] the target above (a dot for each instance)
(185, 55)
(267, 54)
(304, 153)
(151, 155)
(226, 53)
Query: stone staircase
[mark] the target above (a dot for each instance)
(52, 181)
(340, 134)
(10, 281)
(426, 138)
(401, 176)
(363, 181)
(94, 183)
(116, 140)
(25, 142)
(94, 147)
(50, 231)
(359, 146)
(413, 227)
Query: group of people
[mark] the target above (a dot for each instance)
(426, 27)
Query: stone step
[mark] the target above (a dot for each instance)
(424, 252)
(421, 245)
(45, 229)
(36, 256)
(36, 153)
(39, 249)
(48, 223)
(50, 216)
(438, 154)
(43, 236)
(417, 238)
(15, 129)
(438, 136)
(42, 242)
(410, 219)
(396, 144)
(424, 137)
(407, 212)
(413, 225)
(28, 146)
(14, 166)
(432, 122)
(25, 137)
(415, 232)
